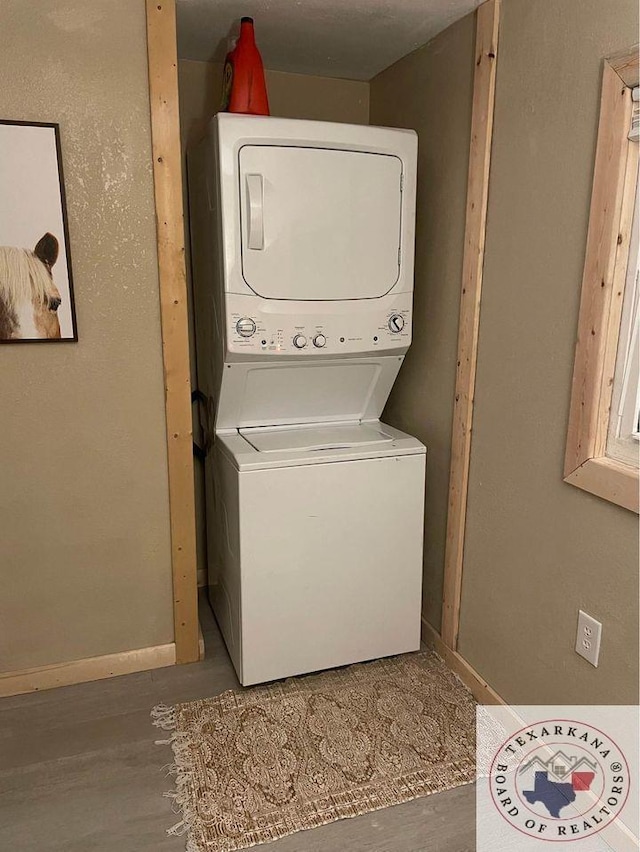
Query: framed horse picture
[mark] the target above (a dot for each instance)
(36, 289)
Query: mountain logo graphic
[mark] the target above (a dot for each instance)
(560, 765)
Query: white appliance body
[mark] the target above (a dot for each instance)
(302, 257)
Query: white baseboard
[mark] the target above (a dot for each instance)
(90, 668)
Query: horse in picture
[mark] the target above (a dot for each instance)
(29, 299)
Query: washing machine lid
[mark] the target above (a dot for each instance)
(310, 445)
(319, 224)
(316, 438)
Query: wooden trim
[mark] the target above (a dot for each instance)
(610, 479)
(603, 284)
(91, 668)
(625, 64)
(481, 690)
(165, 132)
(602, 243)
(484, 84)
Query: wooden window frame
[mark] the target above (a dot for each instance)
(608, 241)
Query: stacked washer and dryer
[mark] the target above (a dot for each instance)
(302, 255)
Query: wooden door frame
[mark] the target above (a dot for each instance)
(167, 178)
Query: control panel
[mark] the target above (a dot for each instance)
(257, 326)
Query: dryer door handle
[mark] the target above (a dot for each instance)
(256, 216)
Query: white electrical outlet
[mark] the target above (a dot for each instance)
(588, 638)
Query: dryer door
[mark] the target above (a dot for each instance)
(319, 224)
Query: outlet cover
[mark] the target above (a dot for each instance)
(588, 638)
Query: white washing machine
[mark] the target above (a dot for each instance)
(302, 255)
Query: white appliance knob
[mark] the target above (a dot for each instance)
(319, 340)
(396, 323)
(299, 341)
(246, 327)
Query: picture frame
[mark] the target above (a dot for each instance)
(37, 302)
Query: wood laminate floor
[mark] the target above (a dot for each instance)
(79, 772)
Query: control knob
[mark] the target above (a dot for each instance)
(396, 323)
(299, 341)
(319, 340)
(246, 327)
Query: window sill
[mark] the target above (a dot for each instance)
(610, 479)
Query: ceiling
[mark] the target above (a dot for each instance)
(353, 39)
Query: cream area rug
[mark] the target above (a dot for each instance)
(255, 765)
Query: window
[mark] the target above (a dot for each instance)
(602, 438)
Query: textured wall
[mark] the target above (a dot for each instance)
(84, 550)
(430, 90)
(537, 549)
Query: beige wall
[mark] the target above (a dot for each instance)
(290, 96)
(537, 550)
(430, 90)
(84, 549)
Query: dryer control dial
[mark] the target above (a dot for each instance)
(299, 341)
(319, 340)
(246, 327)
(396, 323)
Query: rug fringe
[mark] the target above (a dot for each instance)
(164, 717)
(178, 829)
(170, 768)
